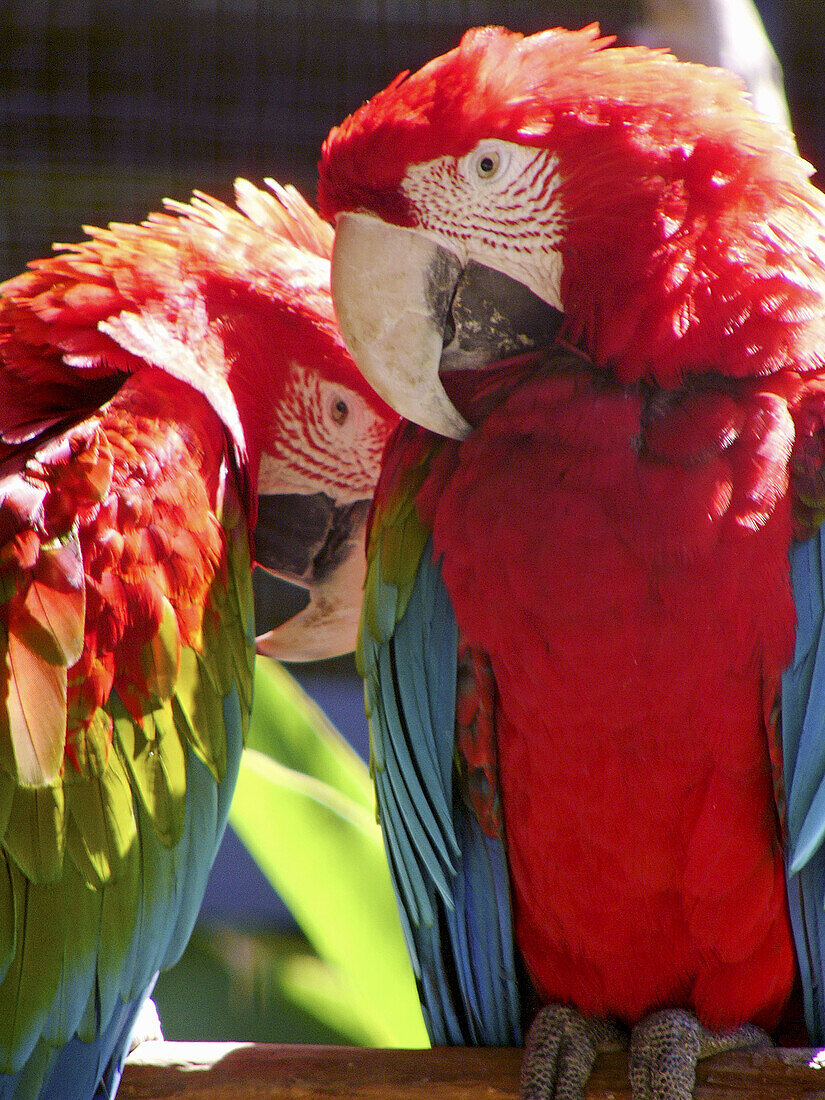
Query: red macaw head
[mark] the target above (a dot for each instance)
(313, 430)
(637, 202)
(236, 303)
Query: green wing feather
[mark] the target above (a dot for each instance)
(447, 860)
(126, 686)
(396, 542)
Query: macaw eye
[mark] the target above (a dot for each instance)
(488, 162)
(339, 410)
(488, 165)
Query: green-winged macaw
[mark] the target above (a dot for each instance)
(594, 280)
(162, 385)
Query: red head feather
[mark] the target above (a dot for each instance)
(229, 301)
(691, 238)
(496, 83)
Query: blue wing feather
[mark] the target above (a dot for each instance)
(408, 866)
(83, 1064)
(450, 879)
(207, 811)
(412, 779)
(94, 1069)
(80, 1045)
(803, 746)
(100, 1063)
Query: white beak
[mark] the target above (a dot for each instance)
(392, 289)
(328, 625)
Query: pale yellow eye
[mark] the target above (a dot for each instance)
(488, 165)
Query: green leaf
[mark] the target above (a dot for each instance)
(323, 853)
(289, 727)
(320, 990)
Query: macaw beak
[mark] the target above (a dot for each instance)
(315, 543)
(392, 289)
(408, 308)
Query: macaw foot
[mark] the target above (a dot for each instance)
(560, 1051)
(665, 1047)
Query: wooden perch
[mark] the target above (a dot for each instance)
(248, 1071)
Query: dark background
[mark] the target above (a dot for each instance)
(109, 105)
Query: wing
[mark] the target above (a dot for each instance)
(803, 715)
(127, 640)
(434, 770)
(803, 746)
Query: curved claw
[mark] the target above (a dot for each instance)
(560, 1051)
(666, 1046)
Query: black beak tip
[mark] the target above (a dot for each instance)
(290, 529)
(305, 539)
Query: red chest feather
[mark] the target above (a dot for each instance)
(632, 556)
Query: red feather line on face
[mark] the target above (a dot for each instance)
(691, 237)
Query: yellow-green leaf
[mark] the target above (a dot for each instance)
(289, 727)
(323, 853)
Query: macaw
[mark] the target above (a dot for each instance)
(593, 281)
(162, 386)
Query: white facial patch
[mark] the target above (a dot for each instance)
(326, 439)
(497, 205)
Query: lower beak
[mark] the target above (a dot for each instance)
(315, 543)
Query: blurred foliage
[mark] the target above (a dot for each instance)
(233, 985)
(304, 808)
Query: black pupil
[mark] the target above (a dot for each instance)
(486, 165)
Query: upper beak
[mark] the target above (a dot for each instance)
(408, 308)
(392, 289)
(312, 542)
